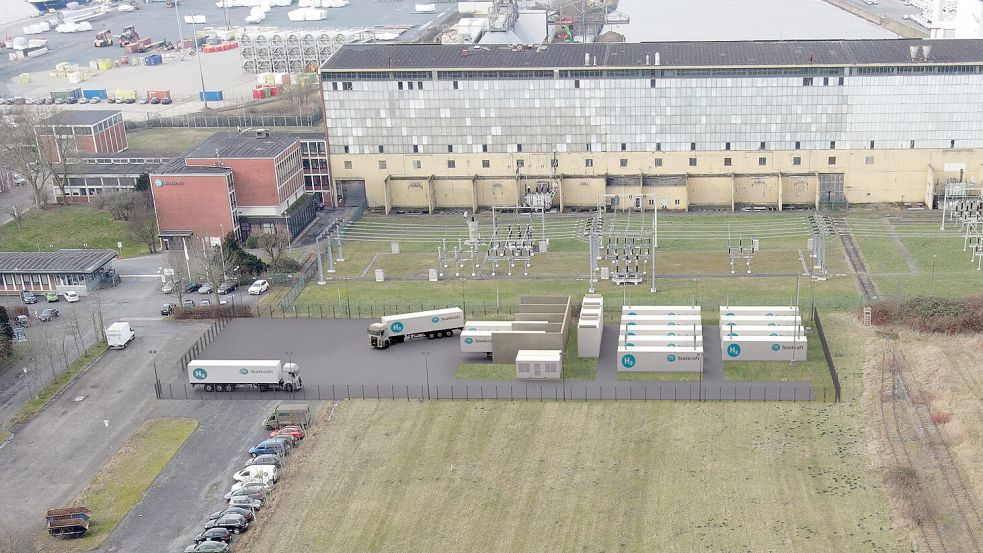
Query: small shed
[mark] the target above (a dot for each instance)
(539, 364)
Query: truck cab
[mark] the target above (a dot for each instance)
(377, 336)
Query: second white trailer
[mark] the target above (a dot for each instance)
(660, 359)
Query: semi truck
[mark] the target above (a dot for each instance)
(432, 324)
(227, 375)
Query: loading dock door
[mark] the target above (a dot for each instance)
(351, 193)
(831, 194)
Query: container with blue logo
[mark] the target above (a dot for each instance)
(660, 359)
(763, 348)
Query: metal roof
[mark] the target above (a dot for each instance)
(177, 166)
(668, 54)
(81, 116)
(115, 169)
(232, 145)
(61, 261)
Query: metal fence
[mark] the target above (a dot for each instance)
(829, 358)
(230, 121)
(524, 391)
(199, 346)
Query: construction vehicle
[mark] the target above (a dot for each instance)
(128, 35)
(104, 38)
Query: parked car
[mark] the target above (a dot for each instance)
(208, 547)
(188, 303)
(268, 459)
(251, 493)
(22, 320)
(28, 297)
(155, 101)
(48, 314)
(206, 288)
(246, 513)
(95, 100)
(295, 431)
(264, 473)
(51, 297)
(217, 533)
(249, 489)
(167, 309)
(236, 524)
(268, 447)
(227, 287)
(259, 287)
(205, 301)
(191, 287)
(168, 287)
(71, 297)
(245, 502)
(288, 440)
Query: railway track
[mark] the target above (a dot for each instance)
(897, 408)
(857, 264)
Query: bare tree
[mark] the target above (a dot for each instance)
(143, 224)
(73, 318)
(16, 537)
(16, 214)
(120, 204)
(274, 244)
(21, 152)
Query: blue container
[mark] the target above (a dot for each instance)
(95, 93)
(153, 59)
(211, 96)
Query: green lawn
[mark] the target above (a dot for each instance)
(167, 141)
(30, 409)
(416, 477)
(485, 371)
(813, 369)
(123, 480)
(69, 227)
(677, 376)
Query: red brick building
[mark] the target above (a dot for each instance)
(71, 132)
(241, 183)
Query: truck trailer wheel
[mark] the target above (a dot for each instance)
(289, 388)
(431, 336)
(209, 388)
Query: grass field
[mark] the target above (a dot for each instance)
(166, 141)
(676, 377)
(813, 369)
(589, 476)
(69, 227)
(123, 480)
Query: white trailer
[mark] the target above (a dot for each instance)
(488, 325)
(760, 330)
(757, 310)
(667, 341)
(661, 330)
(225, 375)
(660, 310)
(762, 320)
(763, 348)
(476, 341)
(660, 359)
(394, 329)
(118, 335)
(660, 319)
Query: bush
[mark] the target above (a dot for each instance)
(252, 242)
(932, 314)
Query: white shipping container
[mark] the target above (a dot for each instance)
(657, 341)
(763, 348)
(763, 320)
(760, 330)
(476, 341)
(539, 364)
(488, 325)
(757, 310)
(661, 330)
(660, 310)
(660, 319)
(660, 359)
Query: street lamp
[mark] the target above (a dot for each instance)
(201, 74)
(30, 389)
(153, 357)
(931, 285)
(426, 365)
(109, 437)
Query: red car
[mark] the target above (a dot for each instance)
(295, 431)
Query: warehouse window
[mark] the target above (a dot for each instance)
(825, 81)
(455, 85)
(871, 144)
(347, 85)
(869, 160)
(399, 85)
(762, 161)
(409, 85)
(840, 82)
(588, 162)
(576, 83)
(762, 146)
(348, 164)
(484, 148)
(346, 150)
(381, 149)
(419, 85)
(952, 143)
(798, 145)
(806, 81)
(832, 160)
(382, 164)
(832, 144)
(692, 162)
(334, 86)
(658, 162)
(727, 146)
(624, 147)
(912, 145)
(451, 164)
(416, 149)
(486, 164)
(692, 146)
(658, 146)
(651, 83)
(450, 148)
(796, 160)
(417, 164)
(727, 162)
(624, 162)
(518, 147)
(520, 163)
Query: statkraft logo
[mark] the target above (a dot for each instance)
(771, 315)
(632, 313)
(775, 347)
(243, 371)
(773, 334)
(158, 183)
(734, 350)
(772, 324)
(670, 334)
(728, 314)
(732, 334)
(396, 327)
(671, 358)
(434, 320)
(629, 344)
(628, 361)
(631, 334)
(469, 341)
(672, 324)
(199, 373)
(671, 313)
(671, 345)
(631, 323)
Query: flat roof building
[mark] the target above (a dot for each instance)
(724, 124)
(70, 133)
(81, 271)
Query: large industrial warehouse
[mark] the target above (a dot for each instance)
(697, 124)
